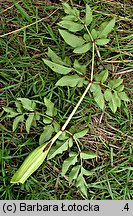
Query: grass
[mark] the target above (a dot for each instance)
(23, 74)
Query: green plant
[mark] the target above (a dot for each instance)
(105, 93)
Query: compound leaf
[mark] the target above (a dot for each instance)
(119, 88)
(113, 104)
(71, 160)
(71, 11)
(72, 39)
(72, 81)
(102, 42)
(107, 28)
(67, 61)
(74, 173)
(87, 155)
(99, 98)
(55, 58)
(83, 49)
(98, 95)
(70, 142)
(47, 120)
(19, 106)
(18, 119)
(117, 99)
(115, 83)
(81, 133)
(95, 88)
(58, 149)
(123, 96)
(27, 104)
(87, 37)
(64, 136)
(71, 26)
(79, 67)
(102, 77)
(37, 116)
(29, 122)
(94, 34)
(88, 15)
(108, 95)
(51, 110)
(46, 134)
(10, 110)
(67, 8)
(81, 184)
(70, 18)
(57, 67)
(56, 126)
(86, 172)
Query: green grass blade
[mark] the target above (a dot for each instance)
(23, 13)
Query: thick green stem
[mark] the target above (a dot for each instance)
(93, 51)
(82, 97)
(79, 102)
(51, 142)
(75, 109)
(92, 67)
(88, 87)
(89, 33)
(56, 137)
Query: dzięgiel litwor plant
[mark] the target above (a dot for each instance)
(78, 32)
